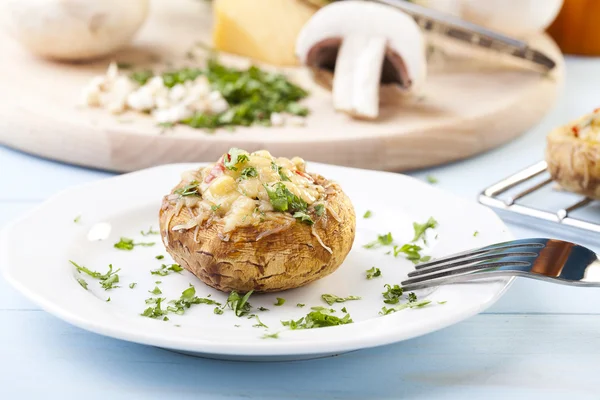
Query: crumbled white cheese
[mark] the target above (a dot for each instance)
(277, 119)
(297, 121)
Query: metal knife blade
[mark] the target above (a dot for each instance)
(455, 28)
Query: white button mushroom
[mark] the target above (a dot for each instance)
(365, 44)
(73, 29)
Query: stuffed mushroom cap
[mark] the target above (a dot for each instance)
(573, 155)
(255, 222)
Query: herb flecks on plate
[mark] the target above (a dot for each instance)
(107, 280)
(317, 319)
(239, 304)
(382, 240)
(166, 269)
(331, 298)
(368, 214)
(187, 299)
(128, 244)
(373, 273)
(393, 294)
(149, 232)
(421, 229)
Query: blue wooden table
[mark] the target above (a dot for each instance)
(539, 341)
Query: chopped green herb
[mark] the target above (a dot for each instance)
(158, 282)
(442, 302)
(234, 157)
(215, 207)
(331, 298)
(317, 319)
(248, 172)
(367, 214)
(300, 305)
(283, 200)
(282, 175)
(107, 300)
(303, 217)
(280, 301)
(425, 259)
(420, 229)
(412, 297)
(392, 294)
(259, 323)
(191, 189)
(373, 273)
(141, 77)
(165, 269)
(156, 291)
(149, 232)
(319, 210)
(475, 233)
(107, 280)
(432, 179)
(239, 304)
(156, 311)
(132, 285)
(382, 240)
(82, 282)
(237, 326)
(218, 310)
(165, 319)
(410, 250)
(159, 257)
(419, 304)
(187, 299)
(344, 310)
(77, 219)
(128, 244)
(323, 309)
(262, 309)
(270, 336)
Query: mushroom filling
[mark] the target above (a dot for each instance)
(251, 189)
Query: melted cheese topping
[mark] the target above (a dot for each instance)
(588, 127)
(233, 189)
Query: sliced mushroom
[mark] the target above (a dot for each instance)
(365, 44)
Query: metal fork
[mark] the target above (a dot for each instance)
(544, 259)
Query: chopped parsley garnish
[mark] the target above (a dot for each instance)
(412, 297)
(215, 207)
(165, 269)
(317, 319)
(191, 189)
(259, 323)
(303, 217)
(319, 210)
(107, 300)
(149, 232)
(270, 336)
(475, 233)
(373, 273)
(128, 244)
(234, 157)
(367, 214)
(410, 250)
(420, 229)
(392, 294)
(159, 257)
(187, 299)
(382, 240)
(156, 291)
(249, 172)
(432, 179)
(141, 77)
(283, 200)
(442, 302)
(331, 298)
(132, 285)
(300, 305)
(82, 282)
(77, 219)
(280, 301)
(218, 310)
(263, 309)
(107, 280)
(156, 311)
(239, 304)
(280, 172)
(415, 304)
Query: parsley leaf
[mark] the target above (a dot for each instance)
(132, 285)
(412, 297)
(77, 219)
(156, 291)
(420, 229)
(303, 217)
(187, 299)
(300, 305)
(432, 179)
(392, 294)
(319, 210)
(239, 304)
(373, 273)
(263, 309)
(149, 232)
(107, 280)
(367, 214)
(156, 311)
(234, 157)
(270, 336)
(475, 233)
(218, 310)
(415, 304)
(249, 172)
(317, 319)
(259, 323)
(283, 200)
(215, 207)
(344, 310)
(165, 269)
(331, 298)
(280, 301)
(159, 257)
(191, 189)
(127, 244)
(82, 282)
(382, 240)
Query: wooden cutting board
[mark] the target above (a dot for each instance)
(473, 101)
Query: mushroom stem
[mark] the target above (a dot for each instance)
(357, 75)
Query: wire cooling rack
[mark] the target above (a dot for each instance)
(530, 198)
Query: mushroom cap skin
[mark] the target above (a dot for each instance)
(73, 29)
(332, 23)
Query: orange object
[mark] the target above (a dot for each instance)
(576, 30)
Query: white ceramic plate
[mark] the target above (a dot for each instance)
(35, 250)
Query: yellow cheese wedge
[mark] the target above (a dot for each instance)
(264, 30)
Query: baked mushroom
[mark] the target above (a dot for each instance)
(255, 222)
(573, 155)
(364, 44)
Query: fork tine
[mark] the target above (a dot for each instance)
(466, 261)
(468, 277)
(465, 270)
(479, 251)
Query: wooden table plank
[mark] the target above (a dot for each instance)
(488, 356)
